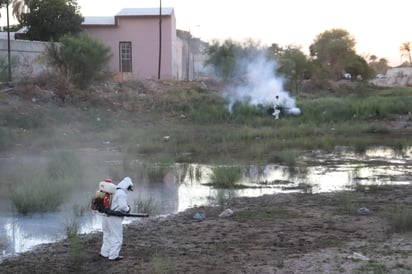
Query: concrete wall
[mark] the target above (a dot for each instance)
(395, 77)
(27, 58)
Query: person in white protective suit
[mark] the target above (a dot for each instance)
(276, 109)
(112, 225)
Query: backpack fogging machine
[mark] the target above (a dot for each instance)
(101, 202)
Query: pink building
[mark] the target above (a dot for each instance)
(133, 36)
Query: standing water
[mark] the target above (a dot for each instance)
(183, 186)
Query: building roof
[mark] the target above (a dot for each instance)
(144, 11)
(110, 20)
(98, 20)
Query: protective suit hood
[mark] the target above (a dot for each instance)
(125, 183)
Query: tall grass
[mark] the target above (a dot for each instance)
(148, 205)
(38, 194)
(75, 244)
(225, 176)
(45, 191)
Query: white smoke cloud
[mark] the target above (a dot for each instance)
(259, 85)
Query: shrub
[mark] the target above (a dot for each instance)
(38, 195)
(82, 58)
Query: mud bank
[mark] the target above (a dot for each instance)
(282, 233)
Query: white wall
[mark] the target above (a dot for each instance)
(27, 57)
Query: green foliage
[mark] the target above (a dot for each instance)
(208, 113)
(82, 58)
(354, 107)
(147, 205)
(38, 194)
(222, 58)
(226, 176)
(229, 58)
(46, 191)
(75, 243)
(356, 65)
(287, 157)
(378, 66)
(48, 20)
(331, 50)
(295, 66)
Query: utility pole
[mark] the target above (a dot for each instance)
(188, 57)
(160, 40)
(8, 43)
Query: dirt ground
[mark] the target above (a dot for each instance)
(281, 233)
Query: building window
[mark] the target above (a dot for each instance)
(125, 54)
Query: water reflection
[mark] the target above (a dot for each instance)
(183, 186)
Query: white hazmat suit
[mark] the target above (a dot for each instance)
(276, 110)
(112, 225)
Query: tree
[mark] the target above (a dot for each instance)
(331, 50)
(406, 51)
(293, 63)
(48, 20)
(356, 65)
(19, 7)
(275, 50)
(373, 58)
(378, 66)
(230, 59)
(222, 58)
(81, 58)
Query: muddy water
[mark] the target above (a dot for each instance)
(181, 187)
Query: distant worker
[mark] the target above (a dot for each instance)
(112, 225)
(276, 110)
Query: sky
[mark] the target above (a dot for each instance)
(379, 27)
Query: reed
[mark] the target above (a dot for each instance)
(225, 176)
(76, 248)
(39, 194)
(147, 205)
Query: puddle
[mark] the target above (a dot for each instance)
(183, 187)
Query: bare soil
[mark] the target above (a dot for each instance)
(281, 233)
